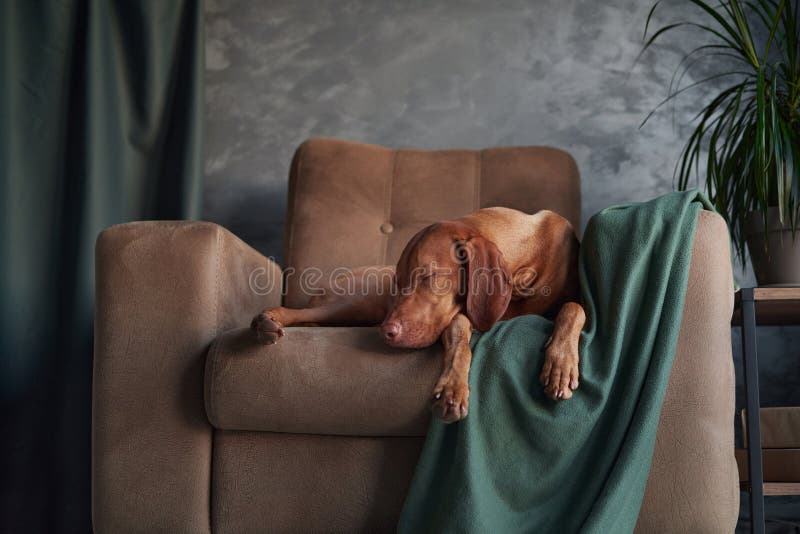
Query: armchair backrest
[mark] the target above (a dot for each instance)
(353, 204)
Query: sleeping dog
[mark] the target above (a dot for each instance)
(459, 275)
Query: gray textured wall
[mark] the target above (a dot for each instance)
(444, 74)
(431, 75)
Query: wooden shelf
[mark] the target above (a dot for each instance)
(776, 293)
(775, 488)
(775, 306)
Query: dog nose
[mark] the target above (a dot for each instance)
(391, 330)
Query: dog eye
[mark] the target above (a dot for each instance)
(428, 279)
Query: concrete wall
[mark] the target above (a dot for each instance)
(431, 74)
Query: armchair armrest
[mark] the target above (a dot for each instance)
(164, 292)
(694, 468)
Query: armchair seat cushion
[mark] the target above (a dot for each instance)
(320, 380)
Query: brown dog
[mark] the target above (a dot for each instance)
(460, 275)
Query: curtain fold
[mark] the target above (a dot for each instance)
(101, 107)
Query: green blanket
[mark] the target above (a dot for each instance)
(521, 462)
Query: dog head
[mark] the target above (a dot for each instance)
(445, 269)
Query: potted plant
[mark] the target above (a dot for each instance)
(749, 133)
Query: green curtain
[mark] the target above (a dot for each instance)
(100, 123)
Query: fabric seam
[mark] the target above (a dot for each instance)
(387, 205)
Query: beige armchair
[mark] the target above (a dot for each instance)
(198, 429)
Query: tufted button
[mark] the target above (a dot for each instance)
(387, 228)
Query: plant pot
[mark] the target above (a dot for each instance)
(779, 263)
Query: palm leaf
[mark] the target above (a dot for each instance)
(748, 134)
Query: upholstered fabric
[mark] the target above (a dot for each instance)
(347, 382)
(164, 291)
(352, 204)
(342, 381)
(694, 483)
(266, 482)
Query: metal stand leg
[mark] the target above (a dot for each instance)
(750, 361)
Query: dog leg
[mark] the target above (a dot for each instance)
(361, 298)
(451, 393)
(560, 371)
(339, 311)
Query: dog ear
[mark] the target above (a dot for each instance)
(488, 283)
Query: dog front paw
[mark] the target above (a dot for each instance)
(268, 330)
(451, 399)
(560, 371)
